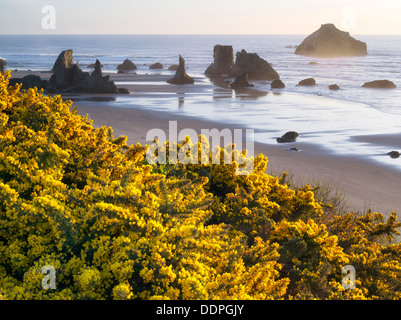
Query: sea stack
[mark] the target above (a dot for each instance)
(223, 61)
(69, 77)
(181, 76)
(256, 67)
(127, 65)
(241, 81)
(330, 42)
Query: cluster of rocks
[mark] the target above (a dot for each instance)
(328, 41)
(246, 66)
(128, 66)
(69, 77)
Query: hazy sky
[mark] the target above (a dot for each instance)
(198, 16)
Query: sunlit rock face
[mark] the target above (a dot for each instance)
(330, 42)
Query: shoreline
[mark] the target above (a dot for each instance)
(364, 184)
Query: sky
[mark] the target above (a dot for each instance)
(197, 16)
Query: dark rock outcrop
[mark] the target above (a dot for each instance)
(28, 82)
(330, 42)
(241, 81)
(127, 65)
(224, 66)
(173, 67)
(181, 76)
(256, 67)
(380, 84)
(3, 63)
(63, 72)
(156, 65)
(334, 87)
(307, 82)
(290, 136)
(394, 154)
(92, 65)
(69, 77)
(277, 84)
(223, 61)
(123, 90)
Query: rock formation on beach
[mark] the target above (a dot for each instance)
(2, 64)
(92, 65)
(181, 76)
(223, 61)
(307, 82)
(241, 81)
(69, 77)
(380, 84)
(224, 66)
(394, 154)
(277, 84)
(334, 87)
(29, 81)
(288, 137)
(256, 67)
(329, 42)
(173, 67)
(156, 65)
(127, 65)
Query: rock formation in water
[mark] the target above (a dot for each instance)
(328, 42)
(394, 154)
(256, 67)
(181, 76)
(224, 66)
(69, 77)
(334, 87)
(156, 65)
(241, 81)
(127, 65)
(173, 67)
(223, 61)
(277, 84)
(288, 137)
(307, 82)
(380, 84)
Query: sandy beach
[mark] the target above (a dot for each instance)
(364, 183)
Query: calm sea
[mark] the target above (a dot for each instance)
(318, 113)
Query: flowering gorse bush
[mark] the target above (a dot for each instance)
(115, 227)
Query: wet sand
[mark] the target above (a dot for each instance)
(366, 185)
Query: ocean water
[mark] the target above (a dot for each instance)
(329, 118)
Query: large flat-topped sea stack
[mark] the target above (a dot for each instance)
(330, 42)
(250, 63)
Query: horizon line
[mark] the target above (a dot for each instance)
(183, 34)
